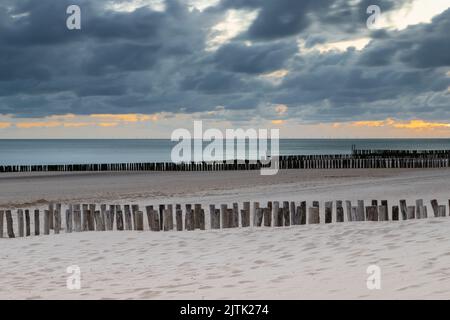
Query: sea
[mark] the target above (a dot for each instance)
(61, 151)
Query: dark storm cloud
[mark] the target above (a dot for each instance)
(255, 59)
(148, 61)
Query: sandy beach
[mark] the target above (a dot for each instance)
(298, 262)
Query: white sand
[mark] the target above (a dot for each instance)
(302, 262)
(324, 261)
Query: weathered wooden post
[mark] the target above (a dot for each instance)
(235, 216)
(348, 205)
(167, 219)
(411, 212)
(360, 211)
(339, 211)
(246, 208)
(328, 211)
(91, 222)
(119, 220)
(20, 224)
(255, 207)
(189, 219)
(2, 214)
(127, 214)
(259, 217)
(103, 214)
(296, 215)
(197, 211)
(435, 206)
(57, 221)
(202, 222)
(395, 211)
(245, 216)
(286, 214)
(69, 223)
(354, 212)
(372, 213)
(292, 210)
(135, 209)
(27, 223)
(139, 221)
(224, 213)
(303, 212)
(403, 209)
(442, 212)
(85, 220)
(268, 214)
(275, 214)
(385, 204)
(179, 219)
(77, 220)
(382, 213)
(51, 208)
(37, 226)
(9, 224)
(99, 225)
(313, 215)
(47, 222)
(419, 206)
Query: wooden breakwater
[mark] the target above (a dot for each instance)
(358, 159)
(167, 217)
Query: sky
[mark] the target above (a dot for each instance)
(143, 68)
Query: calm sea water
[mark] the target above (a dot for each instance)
(16, 152)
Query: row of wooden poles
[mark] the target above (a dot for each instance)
(289, 162)
(86, 217)
(386, 153)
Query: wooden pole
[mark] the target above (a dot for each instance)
(77, 220)
(348, 205)
(47, 222)
(360, 211)
(275, 213)
(91, 222)
(27, 223)
(139, 221)
(339, 211)
(224, 213)
(442, 212)
(197, 210)
(286, 214)
(128, 221)
(202, 223)
(403, 209)
(245, 218)
(20, 223)
(328, 211)
(395, 212)
(51, 208)
(9, 224)
(383, 215)
(37, 227)
(303, 212)
(235, 216)
(2, 214)
(57, 220)
(119, 220)
(372, 213)
(435, 206)
(259, 217)
(411, 212)
(313, 215)
(255, 207)
(293, 213)
(419, 206)
(179, 219)
(69, 223)
(156, 224)
(189, 219)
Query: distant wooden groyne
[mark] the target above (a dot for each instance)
(358, 159)
(167, 217)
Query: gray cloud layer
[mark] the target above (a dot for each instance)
(149, 61)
